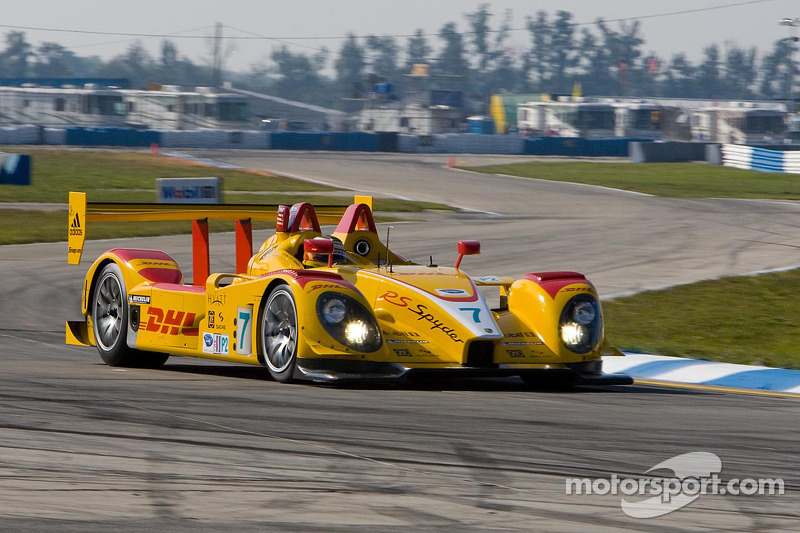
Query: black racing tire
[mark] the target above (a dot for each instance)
(110, 323)
(110, 317)
(279, 333)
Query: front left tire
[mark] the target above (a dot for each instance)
(110, 316)
(279, 333)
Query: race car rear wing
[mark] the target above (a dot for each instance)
(81, 212)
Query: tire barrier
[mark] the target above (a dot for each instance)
(21, 135)
(112, 137)
(336, 141)
(578, 147)
(753, 158)
(454, 143)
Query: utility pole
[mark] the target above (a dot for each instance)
(790, 41)
(217, 63)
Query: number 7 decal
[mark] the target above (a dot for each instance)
(476, 313)
(244, 328)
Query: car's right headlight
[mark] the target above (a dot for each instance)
(348, 321)
(581, 324)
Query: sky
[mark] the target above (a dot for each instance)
(745, 23)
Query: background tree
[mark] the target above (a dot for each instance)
(680, 77)
(417, 50)
(479, 26)
(383, 57)
(597, 65)
(539, 55)
(624, 49)
(16, 57)
(135, 64)
(707, 84)
(451, 58)
(776, 70)
(53, 61)
(505, 76)
(350, 67)
(296, 76)
(740, 72)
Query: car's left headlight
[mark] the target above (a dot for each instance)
(581, 324)
(348, 321)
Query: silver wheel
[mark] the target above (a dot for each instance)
(109, 311)
(279, 333)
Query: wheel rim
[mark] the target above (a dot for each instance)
(108, 312)
(280, 331)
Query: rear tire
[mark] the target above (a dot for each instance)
(110, 323)
(279, 334)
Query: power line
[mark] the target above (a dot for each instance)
(168, 35)
(256, 36)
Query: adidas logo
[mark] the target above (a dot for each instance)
(75, 226)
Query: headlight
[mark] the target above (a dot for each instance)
(581, 324)
(348, 321)
(334, 311)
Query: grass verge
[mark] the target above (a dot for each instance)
(676, 180)
(127, 176)
(113, 176)
(747, 320)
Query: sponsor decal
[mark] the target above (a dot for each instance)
(75, 226)
(400, 333)
(170, 322)
(406, 341)
(154, 264)
(452, 292)
(215, 343)
(204, 192)
(522, 334)
(216, 320)
(515, 353)
(395, 299)
(521, 343)
(488, 279)
(318, 286)
(578, 289)
(244, 331)
(217, 299)
(138, 299)
(402, 353)
(422, 313)
(476, 314)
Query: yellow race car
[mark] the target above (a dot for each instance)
(343, 307)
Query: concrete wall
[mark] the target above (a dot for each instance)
(667, 152)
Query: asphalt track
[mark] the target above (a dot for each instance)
(206, 446)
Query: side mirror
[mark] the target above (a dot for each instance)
(282, 221)
(319, 246)
(467, 248)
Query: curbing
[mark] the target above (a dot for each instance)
(701, 372)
